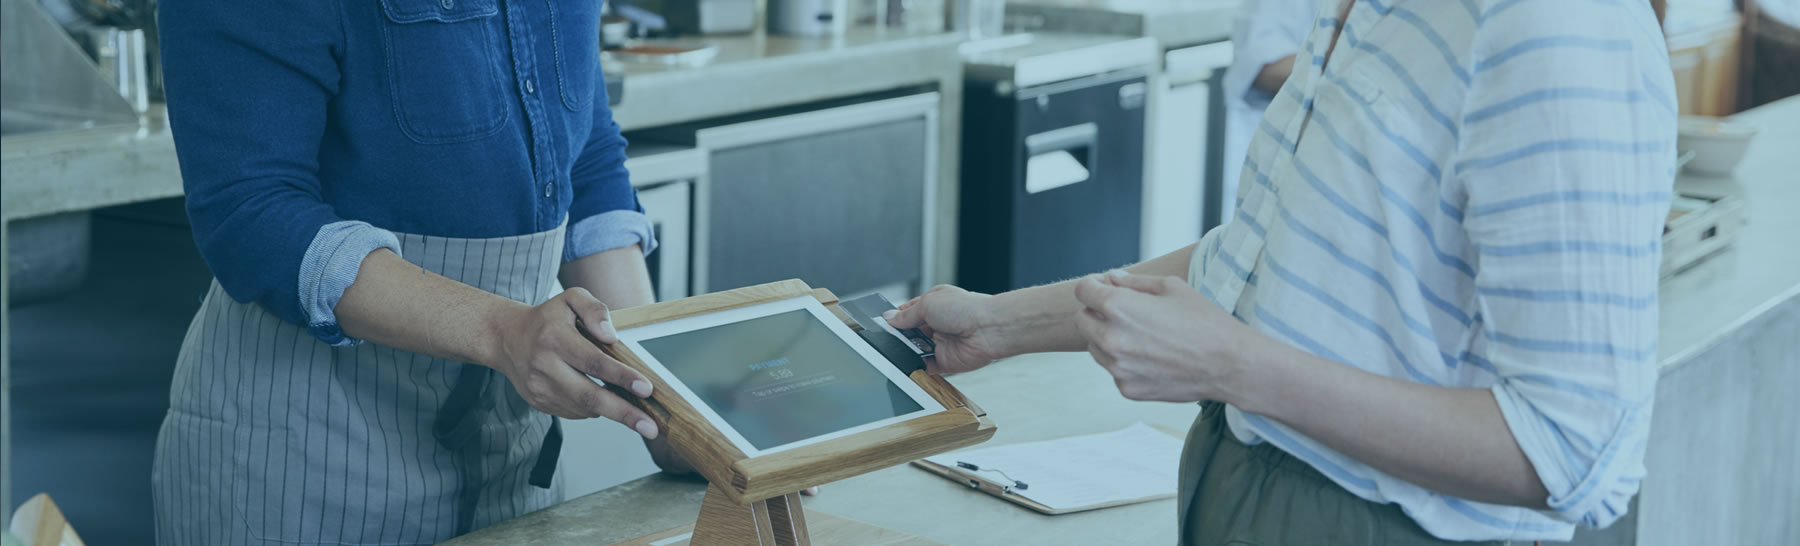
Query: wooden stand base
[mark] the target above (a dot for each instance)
(777, 521)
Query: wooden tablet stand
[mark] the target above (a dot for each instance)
(756, 501)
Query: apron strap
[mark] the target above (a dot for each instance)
(457, 430)
(545, 468)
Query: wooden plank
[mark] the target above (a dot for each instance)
(708, 303)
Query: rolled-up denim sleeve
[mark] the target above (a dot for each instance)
(329, 268)
(604, 213)
(248, 90)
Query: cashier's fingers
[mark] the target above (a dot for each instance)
(593, 315)
(590, 360)
(591, 400)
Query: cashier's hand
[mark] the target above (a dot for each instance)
(1158, 337)
(955, 320)
(548, 360)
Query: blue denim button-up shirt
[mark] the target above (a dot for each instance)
(311, 130)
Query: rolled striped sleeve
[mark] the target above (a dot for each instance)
(1567, 170)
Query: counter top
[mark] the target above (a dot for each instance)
(906, 499)
(759, 71)
(82, 170)
(79, 170)
(1760, 271)
(1174, 23)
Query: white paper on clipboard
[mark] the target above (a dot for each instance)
(1133, 464)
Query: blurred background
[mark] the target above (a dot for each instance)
(992, 143)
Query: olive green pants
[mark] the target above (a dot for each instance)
(1237, 495)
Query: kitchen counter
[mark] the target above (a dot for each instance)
(1173, 23)
(903, 498)
(71, 171)
(82, 170)
(1746, 299)
(1761, 271)
(759, 71)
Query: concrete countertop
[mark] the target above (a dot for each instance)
(760, 71)
(82, 170)
(1761, 271)
(1174, 23)
(1032, 397)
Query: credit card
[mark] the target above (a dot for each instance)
(867, 311)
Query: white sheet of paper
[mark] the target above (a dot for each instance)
(1137, 462)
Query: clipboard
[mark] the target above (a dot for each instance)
(1004, 490)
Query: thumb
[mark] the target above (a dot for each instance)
(911, 315)
(1147, 284)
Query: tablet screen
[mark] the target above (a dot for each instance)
(779, 376)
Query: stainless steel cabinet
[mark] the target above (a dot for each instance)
(835, 196)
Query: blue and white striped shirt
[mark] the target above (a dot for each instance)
(1469, 194)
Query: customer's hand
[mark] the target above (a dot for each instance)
(1159, 338)
(956, 320)
(548, 360)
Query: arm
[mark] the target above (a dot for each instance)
(1453, 441)
(972, 330)
(1041, 319)
(1272, 75)
(248, 95)
(1161, 340)
(1265, 36)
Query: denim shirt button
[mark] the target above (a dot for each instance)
(549, 187)
(448, 4)
(530, 83)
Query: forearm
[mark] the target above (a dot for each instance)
(1449, 440)
(1273, 75)
(396, 303)
(618, 277)
(1041, 319)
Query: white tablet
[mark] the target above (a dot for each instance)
(778, 375)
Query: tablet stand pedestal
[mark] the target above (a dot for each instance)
(779, 521)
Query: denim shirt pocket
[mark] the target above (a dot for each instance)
(575, 29)
(444, 68)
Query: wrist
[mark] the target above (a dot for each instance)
(497, 322)
(1005, 330)
(1254, 377)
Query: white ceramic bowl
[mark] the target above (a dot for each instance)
(1718, 144)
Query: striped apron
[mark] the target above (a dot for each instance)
(275, 437)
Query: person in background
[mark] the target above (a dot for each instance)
(417, 213)
(1434, 316)
(1265, 35)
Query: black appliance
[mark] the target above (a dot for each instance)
(1052, 171)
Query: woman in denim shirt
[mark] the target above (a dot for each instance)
(392, 196)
